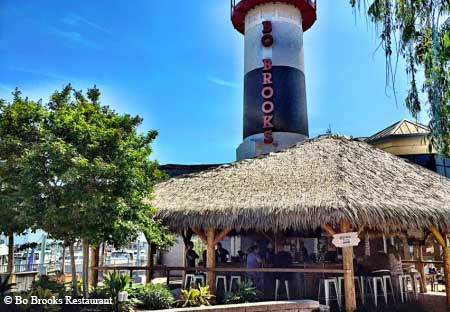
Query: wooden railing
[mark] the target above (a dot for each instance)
(167, 270)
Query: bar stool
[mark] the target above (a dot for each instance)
(326, 284)
(417, 280)
(222, 278)
(387, 279)
(235, 279)
(286, 286)
(358, 284)
(201, 279)
(404, 282)
(377, 280)
(189, 277)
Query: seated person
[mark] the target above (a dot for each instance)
(221, 254)
(191, 256)
(269, 256)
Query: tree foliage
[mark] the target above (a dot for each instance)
(91, 175)
(419, 31)
(21, 130)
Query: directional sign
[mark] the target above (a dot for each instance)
(346, 240)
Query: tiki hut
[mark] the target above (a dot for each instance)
(333, 182)
(321, 181)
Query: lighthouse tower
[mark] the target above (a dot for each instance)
(275, 110)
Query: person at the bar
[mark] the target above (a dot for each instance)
(302, 254)
(191, 255)
(269, 256)
(221, 254)
(254, 261)
(283, 259)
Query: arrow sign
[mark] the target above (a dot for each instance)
(346, 240)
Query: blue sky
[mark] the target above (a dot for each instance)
(179, 65)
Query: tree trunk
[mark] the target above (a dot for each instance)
(85, 268)
(74, 271)
(10, 267)
(63, 260)
(421, 269)
(102, 262)
(349, 276)
(211, 260)
(95, 259)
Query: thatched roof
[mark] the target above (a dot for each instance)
(310, 184)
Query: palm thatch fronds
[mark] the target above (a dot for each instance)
(320, 181)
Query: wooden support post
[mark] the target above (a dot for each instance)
(446, 256)
(150, 264)
(440, 237)
(211, 259)
(349, 276)
(221, 235)
(328, 229)
(421, 269)
(187, 236)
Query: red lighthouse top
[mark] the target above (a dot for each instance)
(240, 10)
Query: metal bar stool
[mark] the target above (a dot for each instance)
(326, 284)
(358, 285)
(199, 280)
(236, 279)
(375, 281)
(189, 277)
(405, 281)
(286, 287)
(417, 281)
(388, 280)
(222, 278)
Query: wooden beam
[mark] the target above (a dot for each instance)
(349, 276)
(439, 237)
(421, 269)
(221, 235)
(329, 229)
(270, 239)
(200, 234)
(211, 259)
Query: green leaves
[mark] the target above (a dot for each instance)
(195, 297)
(422, 29)
(21, 130)
(76, 169)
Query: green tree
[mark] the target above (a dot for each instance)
(419, 31)
(21, 129)
(91, 176)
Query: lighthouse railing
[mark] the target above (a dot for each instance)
(233, 4)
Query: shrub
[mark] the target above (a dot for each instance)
(246, 293)
(41, 293)
(44, 282)
(153, 297)
(114, 284)
(195, 297)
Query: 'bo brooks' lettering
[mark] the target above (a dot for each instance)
(267, 91)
